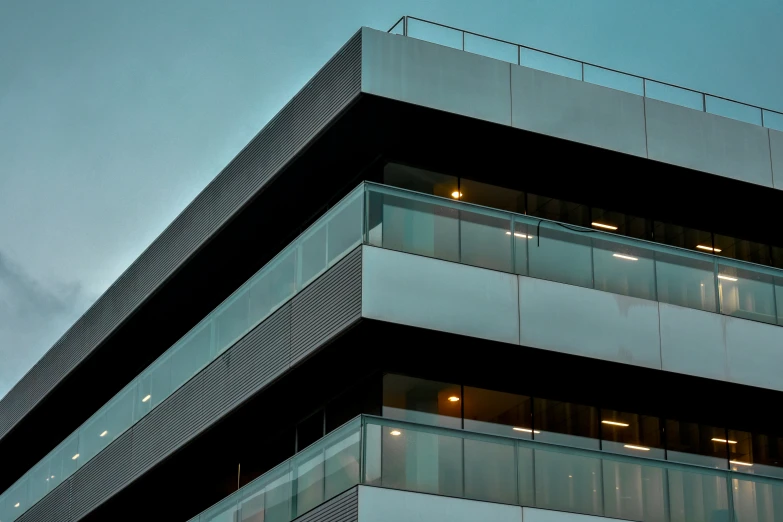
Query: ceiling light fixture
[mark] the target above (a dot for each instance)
(740, 463)
(614, 423)
(104, 433)
(453, 398)
(726, 278)
(517, 234)
(601, 225)
(396, 433)
(16, 505)
(456, 194)
(526, 430)
(724, 440)
(640, 448)
(708, 248)
(629, 258)
(145, 399)
(75, 457)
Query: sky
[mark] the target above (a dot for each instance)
(114, 115)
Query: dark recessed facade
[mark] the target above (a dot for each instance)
(448, 281)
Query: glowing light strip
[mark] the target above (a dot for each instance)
(601, 225)
(726, 278)
(724, 440)
(613, 423)
(707, 248)
(629, 258)
(526, 430)
(740, 463)
(517, 234)
(641, 448)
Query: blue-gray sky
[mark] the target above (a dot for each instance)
(115, 114)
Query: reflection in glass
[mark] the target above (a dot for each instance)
(422, 401)
(523, 234)
(565, 423)
(634, 491)
(746, 294)
(490, 470)
(697, 497)
(485, 240)
(420, 180)
(498, 412)
(558, 254)
(623, 269)
(757, 500)
(492, 196)
(686, 281)
(568, 482)
(312, 254)
(232, 320)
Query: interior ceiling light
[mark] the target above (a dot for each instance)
(708, 248)
(601, 225)
(75, 457)
(456, 194)
(629, 258)
(740, 463)
(526, 430)
(613, 423)
(726, 278)
(640, 448)
(145, 399)
(104, 433)
(453, 398)
(16, 505)
(724, 440)
(396, 433)
(517, 234)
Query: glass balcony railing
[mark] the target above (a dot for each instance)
(430, 226)
(578, 70)
(413, 457)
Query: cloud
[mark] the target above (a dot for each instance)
(33, 315)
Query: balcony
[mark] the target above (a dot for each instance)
(401, 455)
(432, 227)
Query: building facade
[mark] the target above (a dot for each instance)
(453, 279)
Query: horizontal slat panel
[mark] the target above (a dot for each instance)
(327, 306)
(102, 477)
(342, 508)
(54, 507)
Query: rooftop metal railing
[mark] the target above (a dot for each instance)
(585, 71)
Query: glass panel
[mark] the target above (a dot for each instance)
(191, 354)
(550, 63)
(434, 33)
(525, 476)
(766, 454)
(621, 268)
(672, 94)
(695, 443)
(688, 238)
(345, 227)
(523, 233)
(17, 498)
(268, 499)
(38, 480)
(634, 491)
(560, 210)
(620, 223)
(420, 461)
(373, 453)
(697, 497)
(779, 298)
(107, 424)
(273, 286)
(309, 473)
(757, 501)
(416, 227)
(225, 511)
(614, 80)
(631, 434)
(64, 461)
(686, 281)
(485, 240)
(422, 401)
(746, 293)
(734, 110)
(560, 255)
(740, 448)
(232, 320)
(342, 460)
(568, 482)
(154, 387)
(743, 250)
(311, 255)
(492, 48)
(499, 413)
(773, 120)
(565, 423)
(490, 471)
